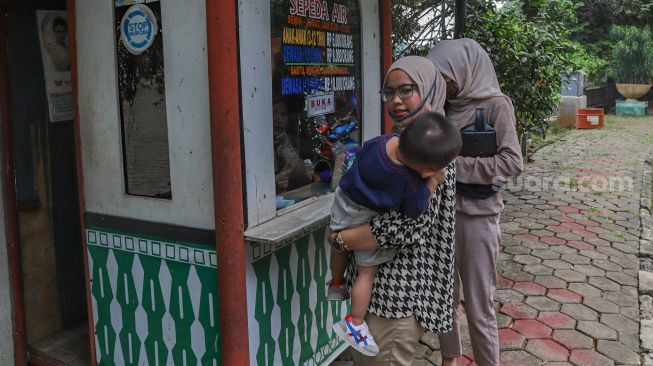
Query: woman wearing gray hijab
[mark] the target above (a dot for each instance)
(471, 84)
(413, 291)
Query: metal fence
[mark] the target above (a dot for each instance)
(602, 97)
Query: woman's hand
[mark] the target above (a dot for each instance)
(330, 235)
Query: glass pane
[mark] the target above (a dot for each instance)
(316, 81)
(139, 42)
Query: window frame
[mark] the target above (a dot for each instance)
(256, 102)
(186, 81)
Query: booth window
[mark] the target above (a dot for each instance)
(142, 99)
(316, 82)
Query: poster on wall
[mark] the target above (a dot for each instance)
(316, 86)
(55, 54)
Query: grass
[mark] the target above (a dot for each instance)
(552, 135)
(574, 182)
(609, 121)
(618, 234)
(571, 182)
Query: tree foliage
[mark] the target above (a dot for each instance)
(417, 25)
(530, 42)
(596, 18)
(631, 59)
(530, 48)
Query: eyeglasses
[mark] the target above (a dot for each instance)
(403, 91)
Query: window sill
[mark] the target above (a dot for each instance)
(293, 224)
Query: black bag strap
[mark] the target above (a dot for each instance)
(479, 123)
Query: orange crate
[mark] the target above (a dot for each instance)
(589, 118)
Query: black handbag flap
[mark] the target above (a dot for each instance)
(479, 138)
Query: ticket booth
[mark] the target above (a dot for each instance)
(209, 137)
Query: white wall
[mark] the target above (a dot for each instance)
(256, 85)
(371, 59)
(187, 103)
(6, 320)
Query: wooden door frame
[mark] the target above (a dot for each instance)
(72, 39)
(11, 205)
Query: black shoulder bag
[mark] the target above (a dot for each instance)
(479, 140)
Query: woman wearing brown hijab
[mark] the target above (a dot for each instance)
(471, 84)
(413, 291)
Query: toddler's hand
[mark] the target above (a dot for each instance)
(431, 183)
(435, 180)
(440, 177)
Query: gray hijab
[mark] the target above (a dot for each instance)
(424, 74)
(466, 62)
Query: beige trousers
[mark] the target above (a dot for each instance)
(397, 340)
(477, 244)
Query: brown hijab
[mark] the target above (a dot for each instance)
(466, 62)
(427, 78)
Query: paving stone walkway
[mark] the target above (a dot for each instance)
(571, 270)
(576, 261)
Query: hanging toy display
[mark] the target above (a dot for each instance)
(344, 157)
(322, 171)
(342, 131)
(336, 147)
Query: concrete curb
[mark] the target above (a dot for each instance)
(646, 269)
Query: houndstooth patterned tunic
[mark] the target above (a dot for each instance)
(419, 280)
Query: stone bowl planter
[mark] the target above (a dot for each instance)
(633, 91)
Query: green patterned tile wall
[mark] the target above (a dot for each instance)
(290, 318)
(154, 302)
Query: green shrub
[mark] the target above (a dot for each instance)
(631, 55)
(529, 55)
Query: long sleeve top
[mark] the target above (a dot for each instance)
(419, 279)
(506, 164)
(378, 183)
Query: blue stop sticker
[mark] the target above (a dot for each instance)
(138, 28)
